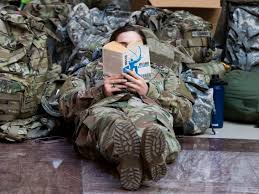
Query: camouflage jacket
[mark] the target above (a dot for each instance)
(165, 88)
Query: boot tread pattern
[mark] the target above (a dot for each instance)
(127, 146)
(153, 146)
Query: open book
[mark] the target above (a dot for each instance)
(135, 57)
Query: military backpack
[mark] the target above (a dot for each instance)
(181, 28)
(242, 45)
(23, 65)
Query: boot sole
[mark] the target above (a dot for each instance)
(127, 146)
(153, 146)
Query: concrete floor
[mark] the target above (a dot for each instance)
(205, 166)
(227, 162)
(233, 130)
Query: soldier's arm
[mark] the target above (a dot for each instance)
(175, 97)
(80, 93)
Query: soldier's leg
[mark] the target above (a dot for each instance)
(159, 144)
(117, 140)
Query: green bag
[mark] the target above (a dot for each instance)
(241, 101)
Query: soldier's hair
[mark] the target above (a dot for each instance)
(128, 28)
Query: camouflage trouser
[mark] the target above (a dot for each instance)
(95, 135)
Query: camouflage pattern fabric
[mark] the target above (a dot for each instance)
(164, 53)
(203, 105)
(164, 88)
(180, 28)
(49, 99)
(102, 4)
(7, 2)
(23, 65)
(222, 26)
(204, 71)
(49, 10)
(242, 43)
(89, 29)
(191, 32)
(54, 14)
(21, 129)
(99, 120)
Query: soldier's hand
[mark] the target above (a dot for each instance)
(113, 83)
(136, 83)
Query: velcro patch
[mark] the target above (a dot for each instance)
(201, 34)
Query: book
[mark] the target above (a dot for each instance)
(118, 58)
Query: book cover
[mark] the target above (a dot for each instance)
(135, 57)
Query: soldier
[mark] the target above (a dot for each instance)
(126, 120)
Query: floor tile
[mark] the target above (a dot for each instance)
(204, 166)
(233, 130)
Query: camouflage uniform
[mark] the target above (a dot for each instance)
(117, 127)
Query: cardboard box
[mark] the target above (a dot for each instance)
(186, 3)
(209, 10)
(135, 57)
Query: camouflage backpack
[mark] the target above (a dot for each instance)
(190, 31)
(181, 28)
(242, 44)
(23, 65)
(164, 53)
(204, 71)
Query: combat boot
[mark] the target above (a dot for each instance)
(153, 150)
(127, 148)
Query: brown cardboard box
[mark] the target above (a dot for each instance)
(207, 9)
(186, 3)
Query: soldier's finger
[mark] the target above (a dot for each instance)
(117, 76)
(133, 74)
(117, 81)
(130, 78)
(116, 90)
(121, 86)
(110, 76)
(132, 85)
(132, 90)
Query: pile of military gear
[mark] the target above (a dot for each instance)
(202, 107)
(24, 70)
(237, 32)
(181, 28)
(50, 37)
(30, 128)
(23, 65)
(90, 29)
